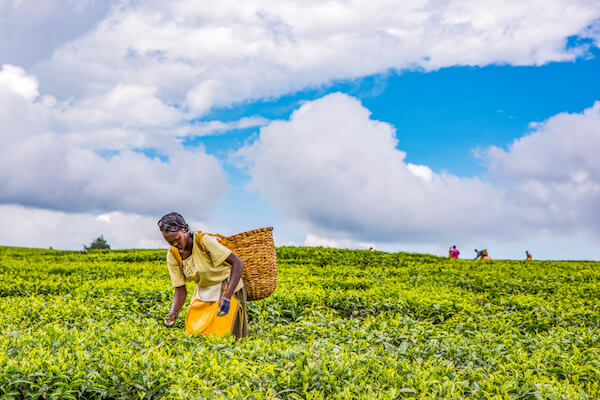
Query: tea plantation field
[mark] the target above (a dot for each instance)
(342, 325)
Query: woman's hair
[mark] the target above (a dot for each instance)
(172, 222)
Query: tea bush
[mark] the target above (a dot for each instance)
(341, 324)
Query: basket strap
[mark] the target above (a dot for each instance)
(198, 239)
(175, 253)
(221, 237)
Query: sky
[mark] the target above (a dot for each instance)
(402, 126)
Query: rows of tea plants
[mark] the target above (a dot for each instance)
(341, 324)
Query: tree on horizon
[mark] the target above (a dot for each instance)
(99, 243)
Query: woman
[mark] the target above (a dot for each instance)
(454, 253)
(482, 255)
(219, 302)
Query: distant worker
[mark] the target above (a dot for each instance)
(528, 254)
(454, 252)
(482, 255)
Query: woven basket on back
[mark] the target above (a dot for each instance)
(257, 250)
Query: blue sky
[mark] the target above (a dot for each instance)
(401, 126)
(441, 116)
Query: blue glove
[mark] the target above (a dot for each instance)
(224, 307)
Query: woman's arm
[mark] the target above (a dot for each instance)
(237, 265)
(179, 296)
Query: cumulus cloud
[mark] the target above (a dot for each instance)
(218, 127)
(561, 149)
(593, 33)
(31, 30)
(334, 169)
(61, 230)
(42, 166)
(555, 171)
(422, 171)
(228, 52)
(339, 171)
(123, 106)
(316, 241)
(46, 172)
(16, 80)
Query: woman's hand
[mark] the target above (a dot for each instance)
(179, 296)
(224, 305)
(170, 319)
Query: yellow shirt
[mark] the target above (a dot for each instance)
(206, 269)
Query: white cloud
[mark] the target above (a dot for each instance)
(228, 52)
(33, 227)
(43, 165)
(30, 30)
(559, 148)
(46, 172)
(421, 171)
(61, 230)
(217, 127)
(123, 106)
(316, 241)
(339, 173)
(593, 33)
(555, 172)
(15, 79)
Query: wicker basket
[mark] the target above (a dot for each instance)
(257, 250)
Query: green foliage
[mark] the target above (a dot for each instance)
(341, 324)
(99, 244)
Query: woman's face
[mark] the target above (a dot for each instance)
(178, 239)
